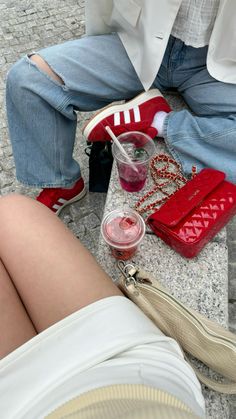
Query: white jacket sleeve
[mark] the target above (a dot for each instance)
(97, 16)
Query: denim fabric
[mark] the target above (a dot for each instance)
(41, 112)
(205, 136)
(96, 71)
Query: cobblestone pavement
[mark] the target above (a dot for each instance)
(27, 25)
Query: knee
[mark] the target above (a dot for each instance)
(17, 77)
(10, 205)
(11, 199)
(24, 75)
(11, 213)
(40, 63)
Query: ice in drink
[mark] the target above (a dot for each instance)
(123, 230)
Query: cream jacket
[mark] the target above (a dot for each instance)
(144, 27)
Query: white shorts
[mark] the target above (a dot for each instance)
(108, 342)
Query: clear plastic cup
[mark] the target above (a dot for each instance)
(140, 148)
(123, 230)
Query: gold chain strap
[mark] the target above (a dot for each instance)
(162, 167)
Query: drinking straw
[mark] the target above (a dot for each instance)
(121, 148)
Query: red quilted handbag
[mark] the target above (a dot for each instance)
(195, 213)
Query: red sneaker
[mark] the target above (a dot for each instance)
(58, 198)
(135, 115)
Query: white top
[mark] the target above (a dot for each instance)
(105, 343)
(195, 21)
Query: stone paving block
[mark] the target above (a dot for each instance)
(232, 251)
(232, 311)
(231, 230)
(232, 408)
(232, 284)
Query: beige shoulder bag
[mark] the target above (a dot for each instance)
(202, 338)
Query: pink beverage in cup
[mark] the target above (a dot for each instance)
(123, 230)
(130, 180)
(140, 148)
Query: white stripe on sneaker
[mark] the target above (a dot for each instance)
(127, 117)
(137, 116)
(110, 110)
(62, 201)
(117, 118)
(56, 207)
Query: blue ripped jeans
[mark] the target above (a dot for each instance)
(42, 115)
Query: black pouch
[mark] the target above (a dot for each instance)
(100, 165)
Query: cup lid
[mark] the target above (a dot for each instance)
(123, 228)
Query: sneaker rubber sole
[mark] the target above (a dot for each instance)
(70, 201)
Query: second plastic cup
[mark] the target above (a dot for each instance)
(140, 148)
(123, 230)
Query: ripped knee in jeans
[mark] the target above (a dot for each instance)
(43, 65)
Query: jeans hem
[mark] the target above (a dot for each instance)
(49, 185)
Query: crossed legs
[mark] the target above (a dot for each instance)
(46, 274)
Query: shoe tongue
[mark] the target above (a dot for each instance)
(152, 132)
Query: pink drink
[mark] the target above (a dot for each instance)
(114, 229)
(123, 230)
(132, 186)
(130, 180)
(138, 148)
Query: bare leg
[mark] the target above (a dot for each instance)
(52, 271)
(41, 63)
(15, 326)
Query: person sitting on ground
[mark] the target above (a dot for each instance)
(67, 332)
(134, 50)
